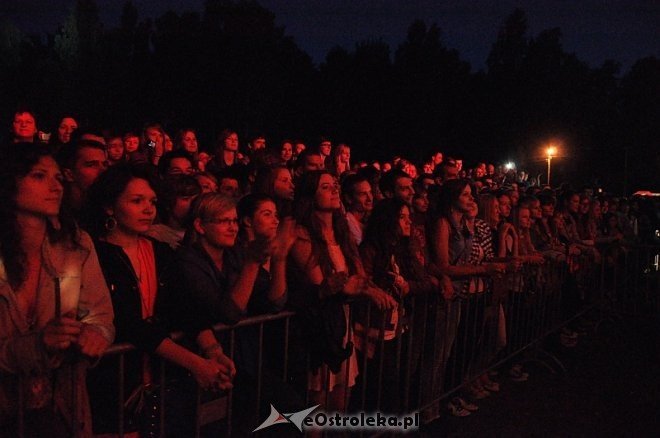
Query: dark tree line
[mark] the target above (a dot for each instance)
(231, 66)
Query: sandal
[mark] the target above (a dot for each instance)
(477, 391)
(457, 410)
(568, 340)
(458, 401)
(492, 386)
(517, 374)
(488, 384)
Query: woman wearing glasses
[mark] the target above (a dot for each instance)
(237, 274)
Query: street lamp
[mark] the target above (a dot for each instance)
(551, 152)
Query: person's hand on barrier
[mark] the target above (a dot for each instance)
(495, 269)
(227, 371)
(535, 259)
(60, 333)
(91, 342)
(226, 362)
(380, 298)
(399, 283)
(227, 366)
(514, 265)
(210, 375)
(354, 285)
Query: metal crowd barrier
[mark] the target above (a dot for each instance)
(438, 347)
(631, 282)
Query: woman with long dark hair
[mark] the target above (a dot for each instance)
(285, 152)
(451, 246)
(55, 312)
(390, 263)
(340, 160)
(62, 134)
(186, 139)
(544, 232)
(232, 280)
(226, 153)
(328, 269)
(259, 221)
(150, 302)
(235, 277)
(277, 183)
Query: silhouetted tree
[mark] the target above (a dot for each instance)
(640, 108)
(430, 80)
(231, 66)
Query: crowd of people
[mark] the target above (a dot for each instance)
(129, 237)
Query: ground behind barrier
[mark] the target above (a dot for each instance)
(611, 388)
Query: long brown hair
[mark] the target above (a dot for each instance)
(17, 160)
(487, 202)
(304, 207)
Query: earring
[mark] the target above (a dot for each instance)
(110, 223)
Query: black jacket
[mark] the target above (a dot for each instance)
(175, 309)
(211, 286)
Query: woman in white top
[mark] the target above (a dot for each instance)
(328, 263)
(55, 310)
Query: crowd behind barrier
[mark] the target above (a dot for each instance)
(233, 284)
(533, 308)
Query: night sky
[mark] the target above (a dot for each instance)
(622, 30)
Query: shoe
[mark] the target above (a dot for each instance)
(458, 401)
(517, 374)
(488, 384)
(457, 410)
(521, 377)
(568, 340)
(477, 391)
(491, 386)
